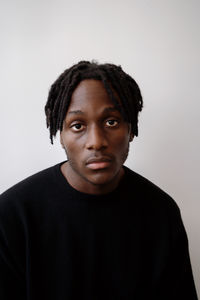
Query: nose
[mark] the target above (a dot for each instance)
(96, 138)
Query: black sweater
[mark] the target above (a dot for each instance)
(60, 244)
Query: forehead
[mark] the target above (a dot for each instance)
(91, 92)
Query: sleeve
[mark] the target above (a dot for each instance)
(12, 274)
(179, 282)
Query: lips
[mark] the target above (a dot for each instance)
(97, 163)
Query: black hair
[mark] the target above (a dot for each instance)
(112, 77)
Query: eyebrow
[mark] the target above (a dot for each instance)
(107, 109)
(110, 109)
(75, 112)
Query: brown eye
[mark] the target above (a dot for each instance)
(77, 127)
(112, 123)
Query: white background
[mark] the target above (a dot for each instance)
(157, 42)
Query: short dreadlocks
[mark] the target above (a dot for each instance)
(112, 77)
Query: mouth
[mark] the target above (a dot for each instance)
(97, 163)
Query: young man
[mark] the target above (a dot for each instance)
(90, 228)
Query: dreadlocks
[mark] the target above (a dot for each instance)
(112, 77)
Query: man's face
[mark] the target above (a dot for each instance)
(95, 137)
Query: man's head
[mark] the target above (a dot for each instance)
(95, 107)
(115, 82)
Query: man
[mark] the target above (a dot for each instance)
(90, 228)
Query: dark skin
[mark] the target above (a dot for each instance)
(96, 140)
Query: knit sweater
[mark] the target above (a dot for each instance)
(57, 243)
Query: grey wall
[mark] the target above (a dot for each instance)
(157, 42)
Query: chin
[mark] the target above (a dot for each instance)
(101, 178)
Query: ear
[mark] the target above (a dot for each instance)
(61, 141)
(131, 137)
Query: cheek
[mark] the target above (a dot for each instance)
(121, 141)
(72, 148)
(68, 141)
(121, 149)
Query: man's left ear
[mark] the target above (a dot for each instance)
(131, 137)
(61, 141)
(130, 133)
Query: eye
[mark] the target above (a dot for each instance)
(77, 127)
(112, 123)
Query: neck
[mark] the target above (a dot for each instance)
(82, 185)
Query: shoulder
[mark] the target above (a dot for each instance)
(26, 189)
(149, 194)
(157, 210)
